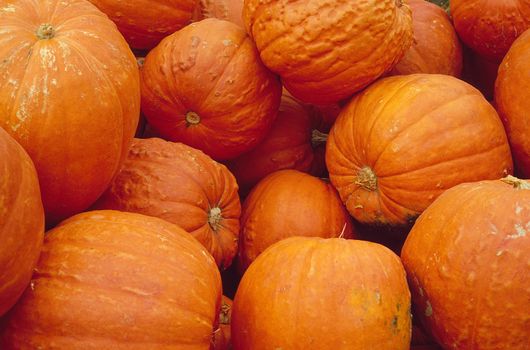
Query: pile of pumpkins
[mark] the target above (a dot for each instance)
(351, 173)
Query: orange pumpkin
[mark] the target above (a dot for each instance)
(490, 27)
(116, 280)
(404, 140)
(69, 94)
(512, 99)
(222, 339)
(436, 48)
(326, 51)
(229, 10)
(206, 87)
(467, 260)
(21, 220)
(326, 294)
(144, 23)
(184, 186)
(289, 203)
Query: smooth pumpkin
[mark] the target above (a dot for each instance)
(512, 99)
(117, 280)
(229, 10)
(70, 95)
(222, 339)
(21, 220)
(404, 140)
(325, 51)
(467, 260)
(326, 294)
(205, 86)
(184, 186)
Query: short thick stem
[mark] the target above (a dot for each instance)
(214, 218)
(366, 179)
(45, 31)
(516, 182)
(192, 118)
(318, 138)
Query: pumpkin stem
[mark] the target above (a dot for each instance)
(215, 218)
(192, 118)
(366, 179)
(224, 315)
(516, 183)
(45, 31)
(343, 230)
(399, 3)
(318, 138)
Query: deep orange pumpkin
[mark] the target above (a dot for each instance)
(490, 27)
(289, 203)
(222, 339)
(326, 294)
(184, 186)
(404, 140)
(229, 10)
(467, 260)
(512, 99)
(116, 280)
(326, 51)
(69, 94)
(206, 87)
(21, 220)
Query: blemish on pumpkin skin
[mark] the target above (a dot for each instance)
(428, 309)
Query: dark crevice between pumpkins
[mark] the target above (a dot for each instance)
(45, 31)
(215, 216)
(366, 179)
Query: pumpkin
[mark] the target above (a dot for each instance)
(205, 86)
(404, 140)
(184, 186)
(21, 220)
(436, 48)
(512, 98)
(326, 51)
(490, 27)
(117, 280)
(467, 260)
(289, 203)
(229, 10)
(315, 293)
(222, 339)
(144, 23)
(69, 94)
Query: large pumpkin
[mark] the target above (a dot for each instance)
(289, 203)
(69, 94)
(404, 140)
(326, 294)
(490, 27)
(116, 280)
(184, 186)
(21, 220)
(512, 98)
(467, 260)
(144, 23)
(205, 86)
(324, 50)
(230, 10)
(436, 48)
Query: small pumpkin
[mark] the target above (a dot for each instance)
(222, 339)
(184, 186)
(21, 220)
(229, 10)
(327, 294)
(205, 86)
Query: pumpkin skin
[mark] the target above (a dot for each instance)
(325, 51)
(72, 101)
(512, 99)
(222, 339)
(117, 280)
(21, 220)
(490, 27)
(289, 203)
(404, 140)
(206, 87)
(144, 23)
(341, 294)
(467, 260)
(184, 186)
(229, 10)
(436, 48)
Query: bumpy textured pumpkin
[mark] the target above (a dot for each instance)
(144, 23)
(325, 50)
(205, 86)
(184, 186)
(69, 94)
(490, 27)
(512, 98)
(326, 294)
(467, 260)
(436, 47)
(229, 10)
(289, 203)
(116, 280)
(222, 339)
(404, 140)
(21, 220)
